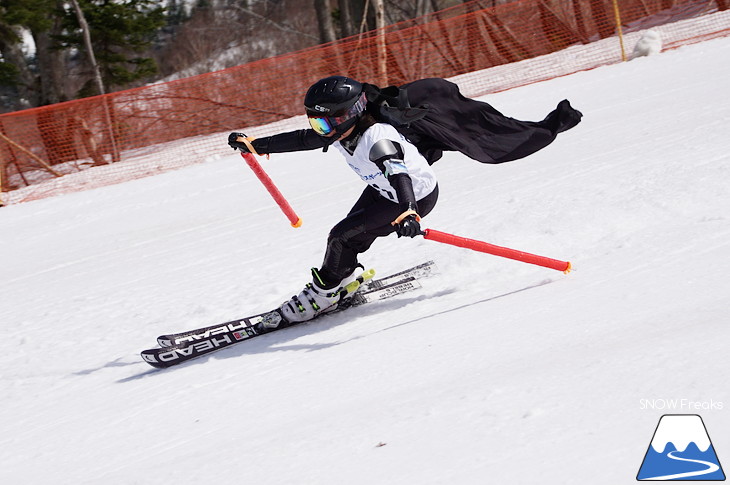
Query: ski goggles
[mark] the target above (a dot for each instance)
(324, 125)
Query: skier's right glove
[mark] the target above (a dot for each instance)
(407, 224)
(239, 141)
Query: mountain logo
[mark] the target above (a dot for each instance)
(680, 450)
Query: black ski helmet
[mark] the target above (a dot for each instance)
(334, 103)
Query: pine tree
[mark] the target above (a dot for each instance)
(121, 32)
(38, 79)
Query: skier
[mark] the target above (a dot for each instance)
(390, 137)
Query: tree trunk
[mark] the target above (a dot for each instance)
(347, 23)
(50, 70)
(423, 7)
(87, 44)
(379, 10)
(324, 21)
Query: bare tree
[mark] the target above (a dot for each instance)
(424, 7)
(379, 10)
(89, 47)
(324, 20)
(347, 24)
(225, 33)
(100, 87)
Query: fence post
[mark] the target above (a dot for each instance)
(617, 15)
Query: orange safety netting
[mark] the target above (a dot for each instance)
(101, 140)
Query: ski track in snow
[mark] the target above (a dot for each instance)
(495, 371)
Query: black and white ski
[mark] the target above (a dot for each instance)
(368, 291)
(181, 347)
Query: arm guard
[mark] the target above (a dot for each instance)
(388, 156)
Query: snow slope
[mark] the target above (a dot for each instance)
(495, 372)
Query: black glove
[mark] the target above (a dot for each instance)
(408, 227)
(238, 145)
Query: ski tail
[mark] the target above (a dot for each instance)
(395, 288)
(419, 271)
(353, 286)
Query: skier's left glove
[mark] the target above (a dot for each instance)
(239, 141)
(407, 224)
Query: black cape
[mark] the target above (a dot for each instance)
(436, 117)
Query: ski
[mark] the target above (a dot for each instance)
(368, 291)
(196, 343)
(181, 347)
(273, 318)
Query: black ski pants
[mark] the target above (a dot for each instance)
(369, 219)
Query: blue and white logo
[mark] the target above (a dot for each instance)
(681, 450)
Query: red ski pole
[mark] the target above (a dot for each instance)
(269, 184)
(484, 247)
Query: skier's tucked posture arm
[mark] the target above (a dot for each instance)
(390, 138)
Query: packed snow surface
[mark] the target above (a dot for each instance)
(495, 371)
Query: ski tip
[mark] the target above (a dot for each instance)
(298, 223)
(568, 268)
(164, 341)
(149, 357)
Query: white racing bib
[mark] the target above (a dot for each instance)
(413, 163)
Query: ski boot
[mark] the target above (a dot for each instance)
(316, 298)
